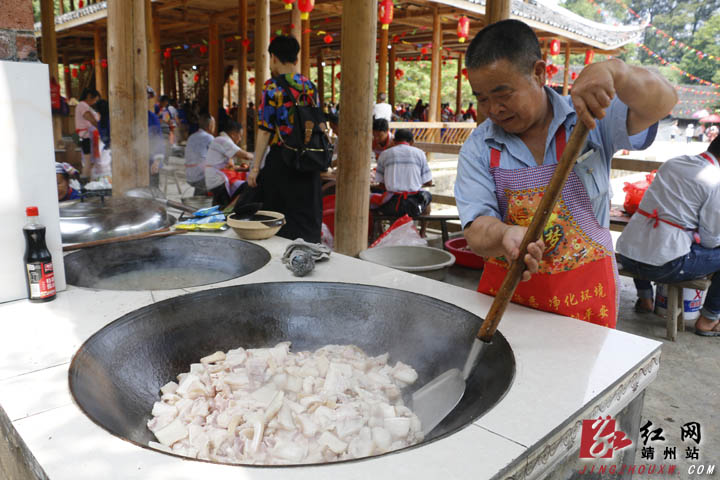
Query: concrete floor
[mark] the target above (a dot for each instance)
(687, 388)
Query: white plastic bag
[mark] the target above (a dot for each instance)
(102, 167)
(402, 232)
(326, 237)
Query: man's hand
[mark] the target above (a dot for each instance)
(592, 92)
(511, 240)
(252, 178)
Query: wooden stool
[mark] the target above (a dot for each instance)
(675, 309)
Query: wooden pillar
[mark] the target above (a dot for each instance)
(242, 69)
(152, 28)
(50, 55)
(434, 114)
(173, 80)
(167, 73)
(181, 85)
(359, 30)
(215, 78)
(382, 62)
(544, 51)
(68, 77)
(127, 64)
(62, 6)
(305, 49)
(496, 10)
(332, 83)
(321, 80)
(100, 73)
(262, 40)
(296, 24)
(566, 73)
(391, 77)
(439, 80)
(458, 92)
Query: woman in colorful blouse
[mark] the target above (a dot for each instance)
(290, 192)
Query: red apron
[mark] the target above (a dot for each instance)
(578, 275)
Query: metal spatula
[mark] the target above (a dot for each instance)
(436, 399)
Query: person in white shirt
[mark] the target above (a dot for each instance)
(223, 149)
(195, 152)
(382, 109)
(675, 234)
(402, 171)
(86, 122)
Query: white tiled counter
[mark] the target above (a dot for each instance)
(566, 371)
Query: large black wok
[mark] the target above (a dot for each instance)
(116, 375)
(164, 263)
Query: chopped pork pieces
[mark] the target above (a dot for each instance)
(270, 406)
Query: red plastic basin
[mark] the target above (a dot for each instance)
(463, 255)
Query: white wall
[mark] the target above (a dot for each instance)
(27, 171)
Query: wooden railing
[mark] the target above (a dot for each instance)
(440, 133)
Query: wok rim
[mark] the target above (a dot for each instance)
(294, 465)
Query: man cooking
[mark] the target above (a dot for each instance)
(507, 162)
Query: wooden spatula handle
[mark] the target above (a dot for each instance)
(534, 231)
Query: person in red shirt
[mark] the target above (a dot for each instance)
(473, 113)
(382, 138)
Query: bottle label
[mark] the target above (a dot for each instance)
(42, 280)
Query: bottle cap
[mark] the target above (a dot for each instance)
(31, 211)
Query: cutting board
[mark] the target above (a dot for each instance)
(27, 165)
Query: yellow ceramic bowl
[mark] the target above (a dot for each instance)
(255, 230)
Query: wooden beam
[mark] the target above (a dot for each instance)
(305, 49)
(262, 41)
(458, 88)
(68, 76)
(566, 73)
(434, 114)
(127, 63)
(242, 68)
(391, 76)
(359, 30)
(382, 62)
(496, 10)
(215, 79)
(50, 56)
(181, 85)
(332, 83)
(100, 73)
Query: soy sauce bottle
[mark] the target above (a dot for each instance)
(40, 277)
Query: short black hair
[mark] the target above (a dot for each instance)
(89, 92)
(204, 120)
(164, 98)
(404, 135)
(714, 147)
(510, 40)
(285, 48)
(380, 125)
(231, 126)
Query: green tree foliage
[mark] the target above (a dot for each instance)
(683, 20)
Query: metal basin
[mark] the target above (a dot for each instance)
(116, 375)
(163, 263)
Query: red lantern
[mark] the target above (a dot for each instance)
(67, 69)
(551, 70)
(103, 63)
(328, 38)
(83, 67)
(203, 49)
(196, 78)
(305, 7)
(288, 4)
(246, 43)
(337, 75)
(554, 46)
(232, 82)
(167, 53)
(463, 28)
(251, 80)
(386, 13)
(424, 50)
(399, 73)
(464, 72)
(81, 4)
(74, 73)
(589, 55)
(573, 76)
